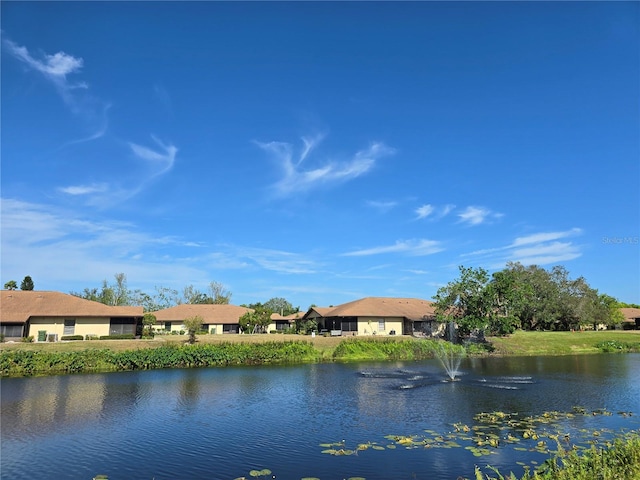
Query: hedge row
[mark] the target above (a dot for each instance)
(391, 349)
(26, 363)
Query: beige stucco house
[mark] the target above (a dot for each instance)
(377, 316)
(26, 313)
(280, 323)
(217, 319)
(631, 317)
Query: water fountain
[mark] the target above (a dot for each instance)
(450, 359)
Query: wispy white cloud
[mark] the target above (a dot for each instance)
(295, 177)
(56, 67)
(473, 215)
(535, 249)
(546, 253)
(545, 237)
(382, 206)
(277, 260)
(86, 250)
(416, 247)
(424, 211)
(85, 189)
(158, 161)
(446, 210)
(433, 212)
(162, 95)
(162, 160)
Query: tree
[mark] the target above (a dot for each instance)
(27, 283)
(281, 306)
(11, 285)
(163, 297)
(121, 294)
(148, 320)
(193, 296)
(193, 325)
(615, 314)
(466, 301)
(219, 294)
(257, 320)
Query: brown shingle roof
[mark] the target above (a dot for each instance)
(19, 305)
(211, 314)
(292, 317)
(410, 308)
(321, 310)
(630, 314)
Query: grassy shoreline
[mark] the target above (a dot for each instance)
(25, 359)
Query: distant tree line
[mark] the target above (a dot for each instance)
(118, 293)
(519, 297)
(26, 284)
(260, 318)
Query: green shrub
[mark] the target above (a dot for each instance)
(616, 346)
(26, 362)
(120, 336)
(91, 336)
(72, 337)
(28, 339)
(1, 337)
(620, 460)
(480, 348)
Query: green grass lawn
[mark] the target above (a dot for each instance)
(520, 343)
(560, 343)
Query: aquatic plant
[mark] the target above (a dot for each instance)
(551, 432)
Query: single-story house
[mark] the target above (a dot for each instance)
(631, 317)
(280, 323)
(216, 319)
(377, 316)
(52, 315)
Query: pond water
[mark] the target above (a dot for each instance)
(221, 423)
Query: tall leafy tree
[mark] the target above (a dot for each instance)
(116, 293)
(149, 321)
(27, 283)
(280, 305)
(192, 295)
(257, 320)
(219, 294)
(193, 326)
(466, 301)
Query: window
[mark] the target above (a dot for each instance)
(120, 326)
(69, 326)
(230, 328)
(349, 325)
(381, 325)
(167, 326)
(11, 330)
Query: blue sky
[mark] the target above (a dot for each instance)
(320, 152)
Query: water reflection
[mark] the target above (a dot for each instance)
(221, 423)
(45, 404)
